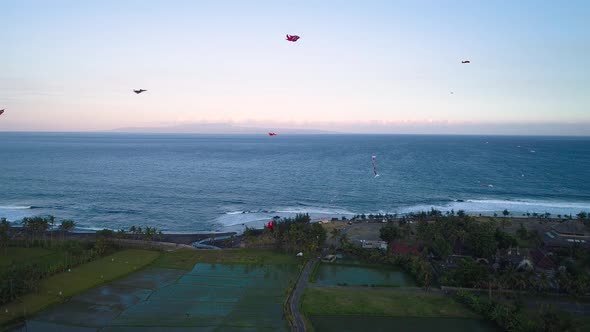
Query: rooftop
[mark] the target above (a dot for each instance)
(572, 227)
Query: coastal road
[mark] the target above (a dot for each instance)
(295, 300)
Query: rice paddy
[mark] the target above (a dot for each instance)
(351, 275)
(206, 297)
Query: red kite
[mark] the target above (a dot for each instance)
(272, 134)
(292, 38)
(1, 111)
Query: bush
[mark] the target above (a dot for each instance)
(19, 280)
(507, 317)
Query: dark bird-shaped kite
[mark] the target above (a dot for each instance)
(1, 111)
(139, 91)
(293, 38)
(465, 61)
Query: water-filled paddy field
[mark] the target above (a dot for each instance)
(331, 274)
(342, 323)
(210, 297)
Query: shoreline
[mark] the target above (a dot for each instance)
(178, 238)
(188, 238)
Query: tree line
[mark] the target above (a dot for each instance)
(292, 235)
(18, 278)
(469, 239)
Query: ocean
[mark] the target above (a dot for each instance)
(203, 183)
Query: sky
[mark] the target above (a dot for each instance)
(360, 66)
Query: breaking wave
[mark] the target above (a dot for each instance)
(15, 207)
(234, 220)
(513, 206)
(15, 212)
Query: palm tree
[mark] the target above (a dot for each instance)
(543, 282)
(509, 278)
(43, 226)
(4, 233)
(133, 230)
(121, 233)
(66, 226)
(461, 236)
(52, 223)
(149, 233)
(564, 281)
(36, 225)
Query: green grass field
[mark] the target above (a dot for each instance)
(79, 279)
(381, 302)
(185, 259)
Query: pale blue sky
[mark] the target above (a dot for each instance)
(71, 65)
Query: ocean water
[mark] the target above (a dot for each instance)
(194, 183)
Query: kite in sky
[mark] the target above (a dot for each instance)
(272, 134)
(292, 38)
(465, 61)
(1, 111)
(374, 159)
(139, 91)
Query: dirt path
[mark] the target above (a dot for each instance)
(393, 289)
(295, 300)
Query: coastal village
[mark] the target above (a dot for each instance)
(527, 273)
(541, 245)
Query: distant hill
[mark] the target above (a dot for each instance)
(218, 128)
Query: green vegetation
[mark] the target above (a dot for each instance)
(291, 235)
(445, 235)
(476, 238)
(512, 317)
(4, 233)
(417, 266)
(23, 270)
(137, 233)
(381, 302)
(185, 259)
(389, 233)
(467, 274)
(56, 288)
(66, 227)
(18, 255)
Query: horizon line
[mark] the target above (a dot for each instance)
(264, 133)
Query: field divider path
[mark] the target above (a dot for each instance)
(295, 297)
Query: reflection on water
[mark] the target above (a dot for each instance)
(383, 324)
(349, 275)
